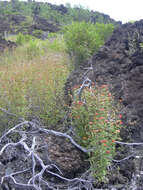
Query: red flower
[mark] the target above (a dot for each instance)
(108, 152)
(105, 144)
(103, 141)
(80, 103)
(101, 118)
(121, 122)
(120, 116)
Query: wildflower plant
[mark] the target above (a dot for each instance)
(98, 126)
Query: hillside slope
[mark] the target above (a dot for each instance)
(26, 17)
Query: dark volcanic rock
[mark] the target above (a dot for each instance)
(44, 25)
(60, 8)
(6, 44)
(120, 63)
(19, 23)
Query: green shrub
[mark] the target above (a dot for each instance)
(52, 35)
(33, 49)
(83, 39)
(98, 126)
(55, 43)
(21, 38)
(37, 33)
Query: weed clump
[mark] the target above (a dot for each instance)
(84, 38)
(98, 126)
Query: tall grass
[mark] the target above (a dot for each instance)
(32, 79)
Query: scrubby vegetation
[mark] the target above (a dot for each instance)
(57, 14)
(32, 81)
(29, 87)
(33, 76)
(83, 39)
(98, 125)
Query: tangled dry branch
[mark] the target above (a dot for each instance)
(36, 179)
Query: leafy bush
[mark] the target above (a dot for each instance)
(33, 49)
(55, 43)
(96, 122)
(37, 33)
(83, 39)
(21, 38)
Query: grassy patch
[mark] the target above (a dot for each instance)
(32, 80)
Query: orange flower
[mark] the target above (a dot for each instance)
(108, 152)
(80, 103)
(105, 144)
(101, 118)
(103, 141)
(120, 116)
(104, 86)
(113, 140)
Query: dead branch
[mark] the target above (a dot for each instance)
(36, 180)
(129, 144)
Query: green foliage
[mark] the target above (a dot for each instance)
(52, 13)
(32, 80)
(33, 49)
(55, 43)
(37, 33)
(21, 38)
(83, 39)
(97, 124)
(141, 46)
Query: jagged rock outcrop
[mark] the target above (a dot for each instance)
(44, 25)
(6, 44)
(120, 63)
(13, 24)
(60, 8)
